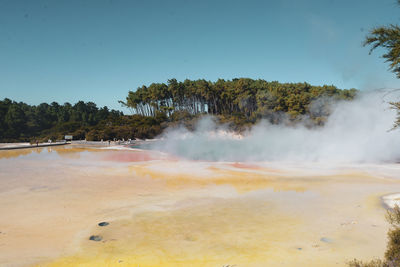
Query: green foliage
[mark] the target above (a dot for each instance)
(373, 263)
(396, 106)
(392, 254)
(22, 122)
(388, 38)
(15, 120)
(251, 99)
(393, 217)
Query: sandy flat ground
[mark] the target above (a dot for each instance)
(168, 212)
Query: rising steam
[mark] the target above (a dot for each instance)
(356, 131)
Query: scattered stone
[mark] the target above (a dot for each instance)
(104, 224)
(348, 223)
(190, 238)
(326, 240)
(95, 238)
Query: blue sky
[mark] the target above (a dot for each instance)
(99, 50)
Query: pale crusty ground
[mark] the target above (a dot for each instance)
(168, 212)
(4, 145)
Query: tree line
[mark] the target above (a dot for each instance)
(251, 98)
(238, 102)
(22, 122)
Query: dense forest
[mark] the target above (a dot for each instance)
(238, 102)
(23, 122)
(250, 98)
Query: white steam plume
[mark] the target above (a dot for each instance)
(356, 131)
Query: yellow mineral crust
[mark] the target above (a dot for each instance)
(164, 212)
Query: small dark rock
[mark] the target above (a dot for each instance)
(299, 248)
(104, 224)
(326, 240)
(95, 238)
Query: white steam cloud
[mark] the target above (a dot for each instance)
(356, 131)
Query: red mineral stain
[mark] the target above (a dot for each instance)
(245, 166)
(131, 156)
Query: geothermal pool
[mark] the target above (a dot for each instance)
(169, 211)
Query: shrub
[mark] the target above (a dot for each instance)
(392, 254)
